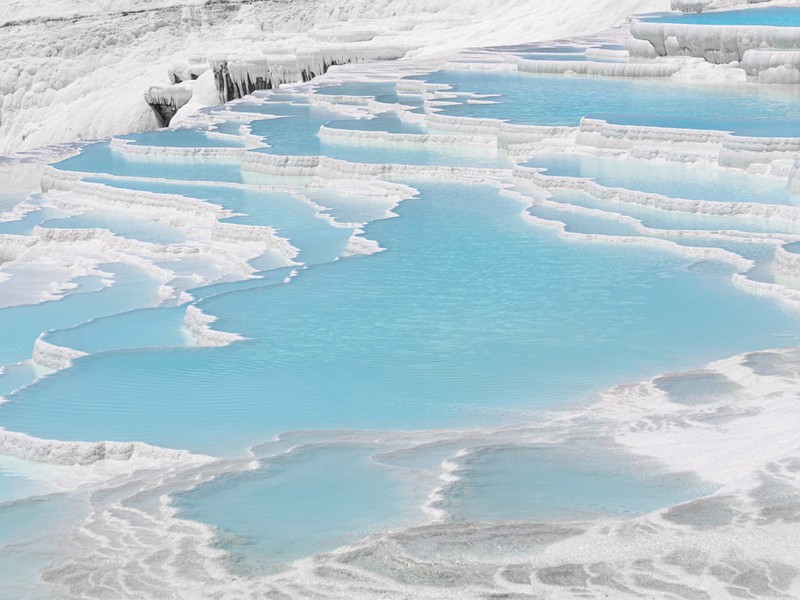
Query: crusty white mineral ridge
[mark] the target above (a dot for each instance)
(87, 64)
(714, 43)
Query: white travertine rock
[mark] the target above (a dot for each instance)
(54, 357)
(198, 325)
(166, 101)
(87, 63)
(605, 69)
(772, 66)
(237, 77)
(715, 43)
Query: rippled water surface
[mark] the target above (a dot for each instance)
(558, 100)
(471, 317)
(675, 181)
(463, 320)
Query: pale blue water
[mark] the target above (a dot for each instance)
(557, 100)
(676, 181)
(27, 542)
(358, 89)
(313, 500)
(471, 318)
(744, 126)
(279, 517)
(698, 387)
(292, 218)
(31, 517)
(581, 223)
(259, 280)
(367, 490)
(100, 158)
(567, 57)
(297, 136)
(281, 109)
(561, 50)
(773, 16)
(181, 138)
(349, 207)
(122, 225)
(9, 200)
(25, 225)
(141, 328)
(282, 95)
(21, 325)
(15, 486)
(761, 254)
(444, 329)
(229, 127)
(388, 123)
(15, 376)
(664, 219)
(381, 91)
(572, 481)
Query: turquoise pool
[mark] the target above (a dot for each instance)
(421, 326)
(771, 16)
(558, 100)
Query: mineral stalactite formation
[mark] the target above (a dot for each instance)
(236, 77)
(166, 101)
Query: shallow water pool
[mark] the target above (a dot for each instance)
(558, 100)
(675, 181)
(441, 330)
(772, 16)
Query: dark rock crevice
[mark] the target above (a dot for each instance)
(238, 77)
(166, 101)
